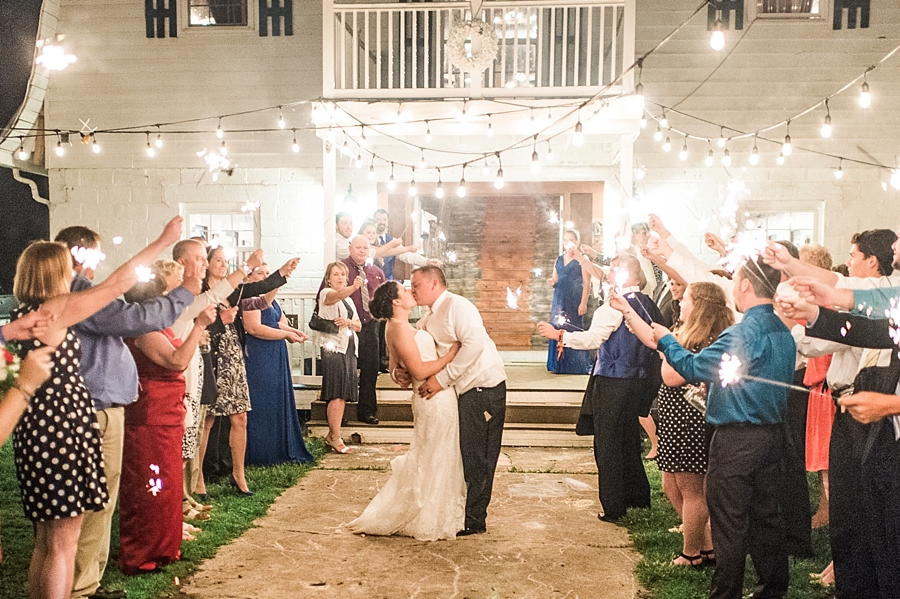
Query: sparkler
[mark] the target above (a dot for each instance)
(117, 240)
(537, 272)
(729, 373)
(562, 319)
(88, 257)
(512, 298)
(554, 218)
(144, 273)
(451, 256)
(250, 206)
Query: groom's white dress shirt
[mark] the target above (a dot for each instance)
(478, 364)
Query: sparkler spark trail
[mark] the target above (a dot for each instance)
(144, 273)
(562, 319)
(729, 373)
(512, 298)
(88, 257)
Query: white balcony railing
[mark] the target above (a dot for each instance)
(298, 307)
(550, 47)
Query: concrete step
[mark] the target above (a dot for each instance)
(525, 414)
(514, 435)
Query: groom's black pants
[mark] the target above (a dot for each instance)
(482, 411)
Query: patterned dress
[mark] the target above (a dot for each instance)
(59, 463)
(233, 395)
(682, 434)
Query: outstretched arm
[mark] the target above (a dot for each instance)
(777, 256)
(401, 339)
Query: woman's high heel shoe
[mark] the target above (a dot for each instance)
(247, 493)
(343, 449)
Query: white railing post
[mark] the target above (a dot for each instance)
(628, 46)
(328, 48)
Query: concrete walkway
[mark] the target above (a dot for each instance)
(544, 539)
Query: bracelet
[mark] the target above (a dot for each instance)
(559, 336)
(27, 395)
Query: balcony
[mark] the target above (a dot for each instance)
(547, 48)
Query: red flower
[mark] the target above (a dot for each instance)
(8, 357)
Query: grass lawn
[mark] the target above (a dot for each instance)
(231, 517)
(649, 532)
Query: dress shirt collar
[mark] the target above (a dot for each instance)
(445, 296)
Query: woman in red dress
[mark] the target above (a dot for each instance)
(151, 485)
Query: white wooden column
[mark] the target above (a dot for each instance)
(329, 175)
(615, 204)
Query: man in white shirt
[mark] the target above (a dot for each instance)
(343, 231)
(479, 377)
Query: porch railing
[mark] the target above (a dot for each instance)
(550, 47)
(298, 307)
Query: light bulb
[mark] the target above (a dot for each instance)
(865, 99)
(281, 123)
(294, 145)
(422, 160)
(498, 182)
(150, 151)
(578, 136)
(345, 148)
(372, 173)
(826, 127)
(683, 154)
(363, 142)
(664, 122)
(224, 149)
(358, 161)
(658, 135)
(392, 185)
(721, 141)
(839, 173)
(786, 148)
(159, 141)
(709, 159)
(717, 39)
(667, 146)
(219, 133)
(780, 160)
(895, 178)
(639, 174)
(439, 192)
(23, 153)
(94, 145)
(639, 92)
(549, 153)
(490, 129)
(754, 155)
(726, 158)
(59, 148)
(643, 122)
(412, 188)
(461, 190)
(427, 132)
(535, 162)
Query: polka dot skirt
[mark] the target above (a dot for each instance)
(682, 434)
(57, 442)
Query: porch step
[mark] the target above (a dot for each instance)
(525, 414)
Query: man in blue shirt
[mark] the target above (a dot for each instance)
(748, 440)
(111, 378)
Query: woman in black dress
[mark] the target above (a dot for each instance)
(682, 425)
(59, 463)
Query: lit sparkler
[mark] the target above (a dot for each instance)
(745, 248)
(52, 56)
(538, 272)
(562, 320)
(512, 298)
(451, 256)
(554, 218)
(329, 346)
(117, 240)
(250, 206)
(88, 257)
(215, 161)
(144, 273)
(729, 373)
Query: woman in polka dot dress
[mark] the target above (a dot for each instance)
(59, 464)
(682, 428)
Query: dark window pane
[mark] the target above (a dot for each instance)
(809, 7)
(218, 12)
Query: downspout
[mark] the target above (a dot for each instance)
(35, 194)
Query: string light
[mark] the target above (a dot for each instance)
(535, 159)
(780, 160)
(490, 129)
(59, 147)
(294, 145)
(722, 139)
(709, 158)
(427, 132)
(281, 123)
(392, 185)
(399, 109)
(224, 149)
(549, 152)
(663, 121)
(23, 154)
(726, 158)
(643, 121)
(667, 145)
(151, 152)
(464, 115)
(639, 88)
(94, 145)
(219, 133)
(826, 126)
(461, 190)
(422, 160)
(578, 136)
(159, 140)
(639, 173)
(439, 192)
(498, 181)
(754, 153)
(786, 147)
(839, 173)
(412, 184)
(363, 142)
(865, 98)
(658, 135)
(683, 154)
(372, 169)
(717, 39)
(358, 163)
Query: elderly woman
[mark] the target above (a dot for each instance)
(150, 518)
(59, 427)
(340, 382)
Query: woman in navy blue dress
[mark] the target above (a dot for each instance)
(571, 287)
(274, 432)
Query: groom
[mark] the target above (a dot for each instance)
(480, 380)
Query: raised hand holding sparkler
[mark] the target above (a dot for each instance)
(818, 293)
(730, 373)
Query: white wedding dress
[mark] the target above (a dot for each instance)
(425, 497)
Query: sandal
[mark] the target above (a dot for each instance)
(192, 515)
(709, 557)
(343, 449)
(693, 561)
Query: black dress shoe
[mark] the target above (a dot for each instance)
(609, 518)
(369, 420)
(471, 531)
(105, 593)
(237, 489)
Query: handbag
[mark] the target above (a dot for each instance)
(322, 325)
(695, 395)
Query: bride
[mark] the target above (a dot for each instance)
(425, 497)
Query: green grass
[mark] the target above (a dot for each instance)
(232, 515)
(650, 533)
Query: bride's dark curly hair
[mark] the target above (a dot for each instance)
(382, 305)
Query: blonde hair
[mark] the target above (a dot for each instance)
(710, 316)
(817, 255)
(165, 268)
(633, 266)
(331, 267)
(41, 272)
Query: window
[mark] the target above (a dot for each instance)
(233, 230)
(218, 13)
(787, 7)
(797, 227)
